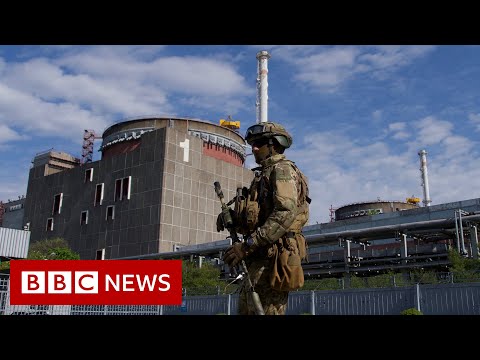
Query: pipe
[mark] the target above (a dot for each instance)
(262, 86)
(474, 241)
(464, 251)
(404, 248)
(456, 231)
(387, 230)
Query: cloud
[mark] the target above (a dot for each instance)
(326, 68)
(49, 83)
(377, 114)
(7, 134)
(392, 56)
(396, 126)
(475, 120)
(90, 87)
(33, 115)
(431, 130)
(192, 75)
(397, 131)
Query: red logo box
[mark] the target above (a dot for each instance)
(94, 282)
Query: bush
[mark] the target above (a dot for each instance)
(411, 311)
(201, 281)
(51, 249)
(322, 284)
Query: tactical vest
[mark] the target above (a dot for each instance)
(254, 205)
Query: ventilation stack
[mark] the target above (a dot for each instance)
(262, 86)
(423, 169)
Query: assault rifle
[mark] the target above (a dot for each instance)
(229, 225)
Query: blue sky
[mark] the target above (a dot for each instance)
(358, 114)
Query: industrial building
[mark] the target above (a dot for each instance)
(396, 241)
(416, 238)
(372, 208)
(14, 235)
(12, 212)
(152, 190)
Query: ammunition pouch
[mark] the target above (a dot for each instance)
(246, 212)
(251, 215)
(287, 271)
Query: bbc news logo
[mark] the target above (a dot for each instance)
(93, 282)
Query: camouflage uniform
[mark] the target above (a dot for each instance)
(283, 211)
(274, 302)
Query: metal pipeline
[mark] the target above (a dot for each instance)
(388, 230)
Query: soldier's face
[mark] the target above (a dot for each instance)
(260, 150)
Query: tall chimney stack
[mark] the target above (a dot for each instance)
(423, 169)
(262, 86)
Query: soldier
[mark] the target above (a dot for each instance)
(271, 220)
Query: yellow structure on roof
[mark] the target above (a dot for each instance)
(413, 200)
(230, 123)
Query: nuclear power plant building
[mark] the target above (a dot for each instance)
(151, 192)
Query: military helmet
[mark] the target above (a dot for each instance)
(267, 130)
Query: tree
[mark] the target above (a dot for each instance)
(47, 249)
(203, 280)
(463, 269)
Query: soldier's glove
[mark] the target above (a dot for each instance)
(235, 254)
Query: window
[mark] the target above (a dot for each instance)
(98, 194)
(110, 212)
(50, 224)
(57, 203)
(126, 187)
(84, 218)
(122, 188)
(15, 207)
(88, 175)
(118, 190)
(100, 255)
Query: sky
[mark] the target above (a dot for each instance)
(358, 114)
